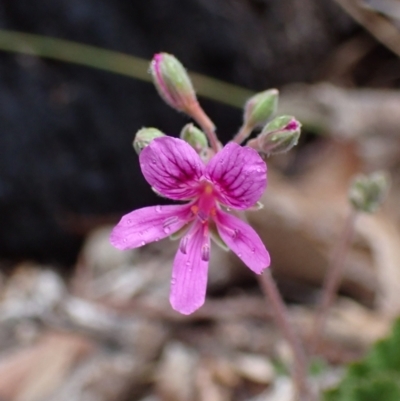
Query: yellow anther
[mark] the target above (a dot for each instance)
(194, 209)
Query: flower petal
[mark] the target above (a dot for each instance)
(239, 174)
(172, 167)
(243, 241)
(189, 275)
(149, 224)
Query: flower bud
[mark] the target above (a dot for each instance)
(367, 192)
(172, 82)
(194, 137)
(144, 136)
(280, 135)
(260, 107)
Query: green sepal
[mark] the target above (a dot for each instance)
(217, 238)
(180, 233)
(258, 206)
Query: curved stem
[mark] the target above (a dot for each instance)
(300, 365)
(243, 134)
(198, 114)
(299, 372)
(333, 278)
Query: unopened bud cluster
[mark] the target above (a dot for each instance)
(176, 89)
(367, 192)
(276, 136)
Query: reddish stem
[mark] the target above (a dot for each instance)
(243, 134)
(299, 373)
(333, 278)
(198, 114)
(281, 315)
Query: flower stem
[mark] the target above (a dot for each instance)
(299, 373)
(300, 366)
(333, 278)
(198, 114)
(243, 134)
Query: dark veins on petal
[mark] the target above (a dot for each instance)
(234, 177)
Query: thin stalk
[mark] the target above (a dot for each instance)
(333, 277)
(243, 134)
(299, 372)
(281, 315)
(198, 114)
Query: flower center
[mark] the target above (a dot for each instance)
(206, 203)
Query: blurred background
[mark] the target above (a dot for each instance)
(66, 149)
(80, 320)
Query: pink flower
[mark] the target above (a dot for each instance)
(235, 178)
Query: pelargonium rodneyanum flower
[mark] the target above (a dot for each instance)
(235, 178)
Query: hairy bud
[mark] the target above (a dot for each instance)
(367, 192)
(172, 82)
(260, 107)
(280, 135)
(194, 137)
(144, 136)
